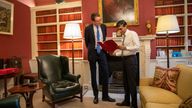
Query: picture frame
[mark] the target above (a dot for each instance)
(112, 11)
(6, 17)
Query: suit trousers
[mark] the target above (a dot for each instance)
(129, 79)
(103, 70)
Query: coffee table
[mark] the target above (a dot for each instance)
(27, 92)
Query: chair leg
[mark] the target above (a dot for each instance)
(43, 98)
(53, 105)
(81, 95)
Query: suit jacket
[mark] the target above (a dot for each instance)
(90, 39)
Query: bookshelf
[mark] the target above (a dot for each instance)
(183, 10)
(47, 26)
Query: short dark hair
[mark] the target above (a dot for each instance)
(94, 15)
(121, 22)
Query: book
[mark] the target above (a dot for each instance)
(108, 46)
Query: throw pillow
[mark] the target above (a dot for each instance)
(187, 103)
(166, 78)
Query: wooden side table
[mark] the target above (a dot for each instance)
(27, 92)
(8, 73)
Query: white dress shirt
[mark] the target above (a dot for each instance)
(95, 33)
(131, 42)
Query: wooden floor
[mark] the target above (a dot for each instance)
(75, 103)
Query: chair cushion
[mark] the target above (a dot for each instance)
(151, 94)
(158, 105)
(61, 86)
(166, 78)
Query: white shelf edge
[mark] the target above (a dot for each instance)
(171, 5)
(70, 13)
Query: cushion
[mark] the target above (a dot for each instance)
(184, 88)
(159, 105)
(166, 78)
(187, 103)
(150, 94)
(61, 86)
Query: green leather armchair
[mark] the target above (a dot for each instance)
(10, 102)
(59, 83)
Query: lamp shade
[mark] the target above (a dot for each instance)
(72, 31)
(167, 24)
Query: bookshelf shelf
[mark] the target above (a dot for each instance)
(174, 5)
(47, 33)
(70, 13)
(183, 10)
(49, 15)
(48, 23)
(175, 36)
(70, 49)
(39, 42)
(47, 50)
(178, 46)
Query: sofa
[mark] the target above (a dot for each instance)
(154, 97)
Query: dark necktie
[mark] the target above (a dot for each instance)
(98, 40)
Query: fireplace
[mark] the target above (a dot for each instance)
(116, 73)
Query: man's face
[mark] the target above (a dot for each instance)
(122, 29)
(97, 21)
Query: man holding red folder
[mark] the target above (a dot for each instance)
(128, 49)
(95, 33)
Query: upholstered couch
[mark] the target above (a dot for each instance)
(153, 97)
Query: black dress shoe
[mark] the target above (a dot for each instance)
(109, 99)
(123, 104)
(95, 100)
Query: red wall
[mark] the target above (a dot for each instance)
(18, 44)
(146, 12)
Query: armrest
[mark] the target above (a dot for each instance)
(45, 81)
(146, 81)
(10, 102)
(73, 78)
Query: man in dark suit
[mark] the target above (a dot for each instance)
(94, 33)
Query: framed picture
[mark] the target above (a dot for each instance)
(114, 10)
(6, 17)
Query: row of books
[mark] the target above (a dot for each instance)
(190, 48)
(190, 30)
(70, 17)
(44, 46)
(169, 10)
(189, 9)
(172, 42)
(68, 45)
(68, 10)
(46, 12)
(77, 53)
(47, 19)
(189, 20)
(50, 37)
(47, 29)
(168, 2)
(40, 53)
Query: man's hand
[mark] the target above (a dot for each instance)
(122, 47)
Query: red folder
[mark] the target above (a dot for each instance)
(109, 46)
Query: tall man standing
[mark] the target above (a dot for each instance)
(128, 49)
(94, 33)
